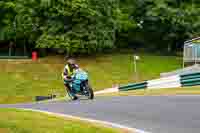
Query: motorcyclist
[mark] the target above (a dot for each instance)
(68, 71)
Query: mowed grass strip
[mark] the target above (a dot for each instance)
(18, 121)
(21, 81)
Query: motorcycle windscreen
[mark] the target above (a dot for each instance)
(81, 75)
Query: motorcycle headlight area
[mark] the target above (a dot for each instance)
(81, 76)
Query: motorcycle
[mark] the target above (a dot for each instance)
(80, 86)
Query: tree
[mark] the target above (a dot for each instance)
(166, 24)
(7, 15)
(89, 26)
(78, 26)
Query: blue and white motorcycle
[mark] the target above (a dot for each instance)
(80, 86)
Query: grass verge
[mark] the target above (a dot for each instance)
(18, 121)
(21, 81)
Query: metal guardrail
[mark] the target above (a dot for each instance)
(14, 57)
(133, 86)
(194, 39)
(190, 74)
(190, 79)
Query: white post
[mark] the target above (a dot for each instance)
(135, 65)
(195, 55)
(10, 48)
(184, 55)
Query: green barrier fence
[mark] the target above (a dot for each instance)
(190, 80)
(191, 84)
(190, 74)
(133, 86)
(190, 77)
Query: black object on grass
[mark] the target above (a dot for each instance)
(41, 98)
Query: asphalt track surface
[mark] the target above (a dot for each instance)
(155, 114)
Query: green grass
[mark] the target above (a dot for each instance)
(107, 70)
(159, 92)
(21, 81)
(18, 121)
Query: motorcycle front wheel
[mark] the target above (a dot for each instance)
(71, 95)
(88, 91)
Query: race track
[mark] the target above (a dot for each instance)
(155, 114)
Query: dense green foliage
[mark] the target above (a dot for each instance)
(86, 26)
(167, 23)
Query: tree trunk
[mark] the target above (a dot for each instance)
(169, 48)
(10, 48)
